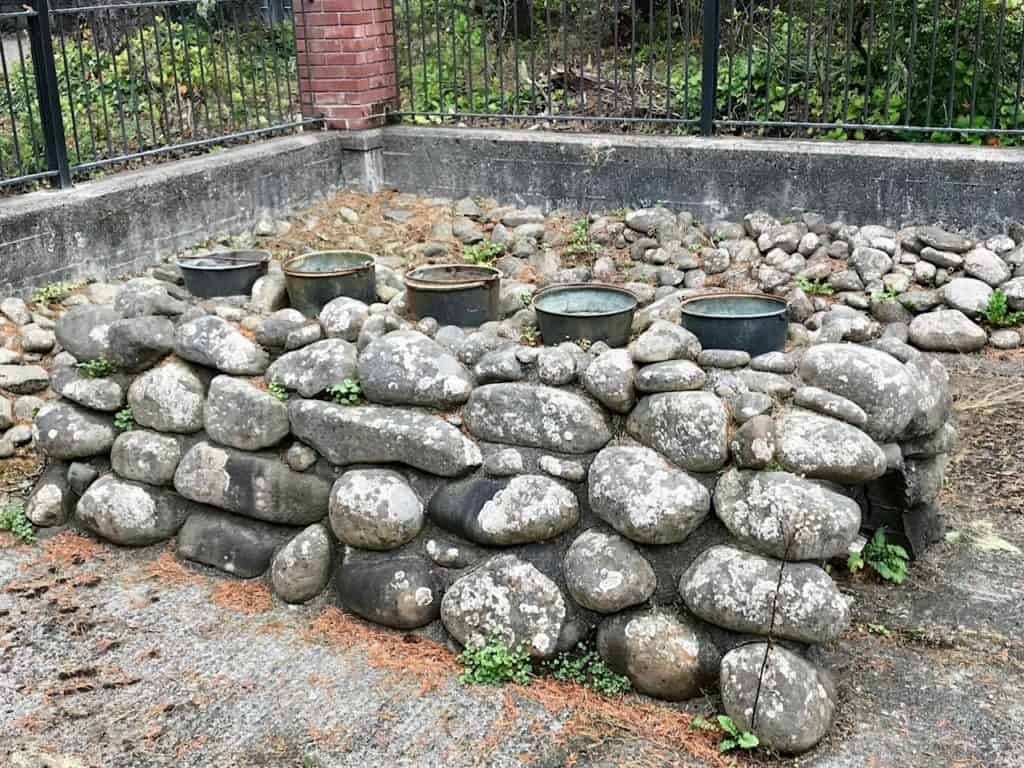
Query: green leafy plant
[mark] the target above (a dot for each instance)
(529, 335)
(884, 295)
(887, 560)
(580, 243)
(12, 518)
(483, 253)
(124, 420)
(277, 390)
(815, 287)
(735, 738)
(526, 299)
(97, 368)
(585, 667)
(53, 292)
(348, 392)
(494, 663)
(997, 311)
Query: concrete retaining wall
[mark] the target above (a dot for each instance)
(975, 188)
(127, 221)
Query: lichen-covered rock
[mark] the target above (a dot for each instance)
(402, 592)
(251, 484)
(168, 399)
(555, 366)
(605, 573)
(139, 343)
(689, 428)
(131, 514)
(84, 331)
(408, 368)
(875, 381)
(375, 509)
(664, 341)
(610, 380)
(300, 570)
(239, 415)
(830, 404)
(147, 296)
(212, 341)
(232, 544)
(665, 655)
(645, 498)
(753, 444)
(63, 430)
(148, 457)
(100, 394)
(737, 590)
(933, 399)
(786, 516)
(946, 330)
(967, 295)
(795, 701)
(23, 379)
(373, 434)
(670, 376)
(52, 500)
(314, 368)
(343, 318)
(274, 330)
(826, 448)
(537, 417)
(508, 599)
(564, 469)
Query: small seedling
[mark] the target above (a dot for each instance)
(885, 295)
(278, 391)
(494, 663)
(887, 560)
(12, 518)
(529, 335)
(97, 368)
(735, 738)
(124, 420)
(815, 287)
(998, 313)
(580, 242)
(347, 393)
(53, 292)
(694, 247)
(526, 299)
(483, 253)
(585, 667)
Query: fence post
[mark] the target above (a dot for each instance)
(48, 93)
(346, 61)
(709, 74)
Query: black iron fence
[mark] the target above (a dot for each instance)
(939, 70)
(89, 86)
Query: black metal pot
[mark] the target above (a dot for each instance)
(752, 322)
(454, 294)
(313, 279)
(223, 273)
(585, 311)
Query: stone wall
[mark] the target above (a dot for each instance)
(675, 502)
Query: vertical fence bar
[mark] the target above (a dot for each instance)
(709, 74)
(49, 95)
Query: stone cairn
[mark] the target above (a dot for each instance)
(678, 502)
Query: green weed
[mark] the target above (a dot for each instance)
(12, 518)
(997, 311)
(494, 663)
(348, 392)
(97, 368)
(887, 560)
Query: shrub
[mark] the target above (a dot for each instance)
(483, 253)
(997, 311)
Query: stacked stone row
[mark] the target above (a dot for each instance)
(532, 495)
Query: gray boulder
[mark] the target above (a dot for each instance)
(84, 331)
(36, 339)
(269, 292)
(509, 599)
(740, 591)
(408, 368)
(23, 379)
(374, 509)
(871, 264)
(795, 701)
(239, 415)
(606, 573)
(251, 484)
(875, 381)
(212, 341)
(753, 444)
(663, 341)
(499, 365)
(100, 394)
(230, 543)
(302, 567)
(169, 398)
(63, 430)
(986, 266)
(826, 448)
(312, 369)
(147, 296)
(670, 376)
(148, 457)
(1014, 290)
(343, 318)
(665, 655)
(939, 238)
(52, 500)
(131, 514)
(610, 380)
(946, 330)
(966, 294)
(274, 330)
(645, 498)
(402, 592)
(15, 310)
(689, 428)
(372, 434)
(933, 400)
(555, 366)
(536, 417)
(139, 343)
(830, 404)
(786, 516)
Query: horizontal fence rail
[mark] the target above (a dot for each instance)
(86, 86)
(939, 70)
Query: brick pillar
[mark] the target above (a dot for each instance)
(346, 61)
